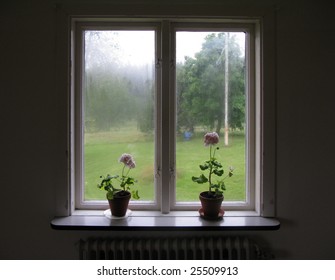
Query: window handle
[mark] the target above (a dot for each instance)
(158, 172)
(172, 64)
(172, 172)
(158, 63)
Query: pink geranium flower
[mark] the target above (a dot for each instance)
(131, 164)
(127, 160)
(124, 180)
(213, 168)
(211, 138)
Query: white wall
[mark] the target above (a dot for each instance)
(33, 122)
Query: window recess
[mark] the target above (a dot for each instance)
(153, 89)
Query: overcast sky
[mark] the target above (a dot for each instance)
(137, 47)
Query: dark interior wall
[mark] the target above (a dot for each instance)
(33, 121)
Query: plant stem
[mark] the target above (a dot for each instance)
(210, 169)
(127, 172)
(123, 170)
(122, 177)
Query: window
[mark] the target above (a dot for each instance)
(153, 89)
(117, 92)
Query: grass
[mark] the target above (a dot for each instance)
(190, 154)
(103, 149)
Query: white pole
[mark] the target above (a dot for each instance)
(226, 125)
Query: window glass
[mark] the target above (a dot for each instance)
(210, 96)
(153, 90)
(118, 105)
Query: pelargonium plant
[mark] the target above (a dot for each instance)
(124, 181)
(214, 170)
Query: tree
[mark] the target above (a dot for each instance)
(115, 92)
(107, 102)
(200, 86)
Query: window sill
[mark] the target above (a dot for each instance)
(96, 220)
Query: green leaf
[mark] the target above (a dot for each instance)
(203, 166)
(135, 195)
(216, 163)
(231, 169)
(110, 194)
(222, 185)
(200, 180)
(218, 172)
(218, 192)
(130, 181)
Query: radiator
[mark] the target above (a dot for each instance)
(171, 248)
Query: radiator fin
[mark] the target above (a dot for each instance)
(192, 248)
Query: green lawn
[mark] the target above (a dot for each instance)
(102, 151)
(192, 153)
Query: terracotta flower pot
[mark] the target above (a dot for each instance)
(119, 204)
(211, 206)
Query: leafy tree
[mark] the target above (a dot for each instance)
(107, 101)
(114, 91)
(200, 86)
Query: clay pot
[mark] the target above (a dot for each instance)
(211, 205)
(119, 204)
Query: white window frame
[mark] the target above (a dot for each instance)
(77, 107)
(253, 119)
(261, 202)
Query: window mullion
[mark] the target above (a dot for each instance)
(166, 169)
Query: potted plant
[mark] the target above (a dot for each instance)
(118, 187)
(212, 198)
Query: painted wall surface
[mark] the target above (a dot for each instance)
(34, 125)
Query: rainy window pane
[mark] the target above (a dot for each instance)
(118, 105)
